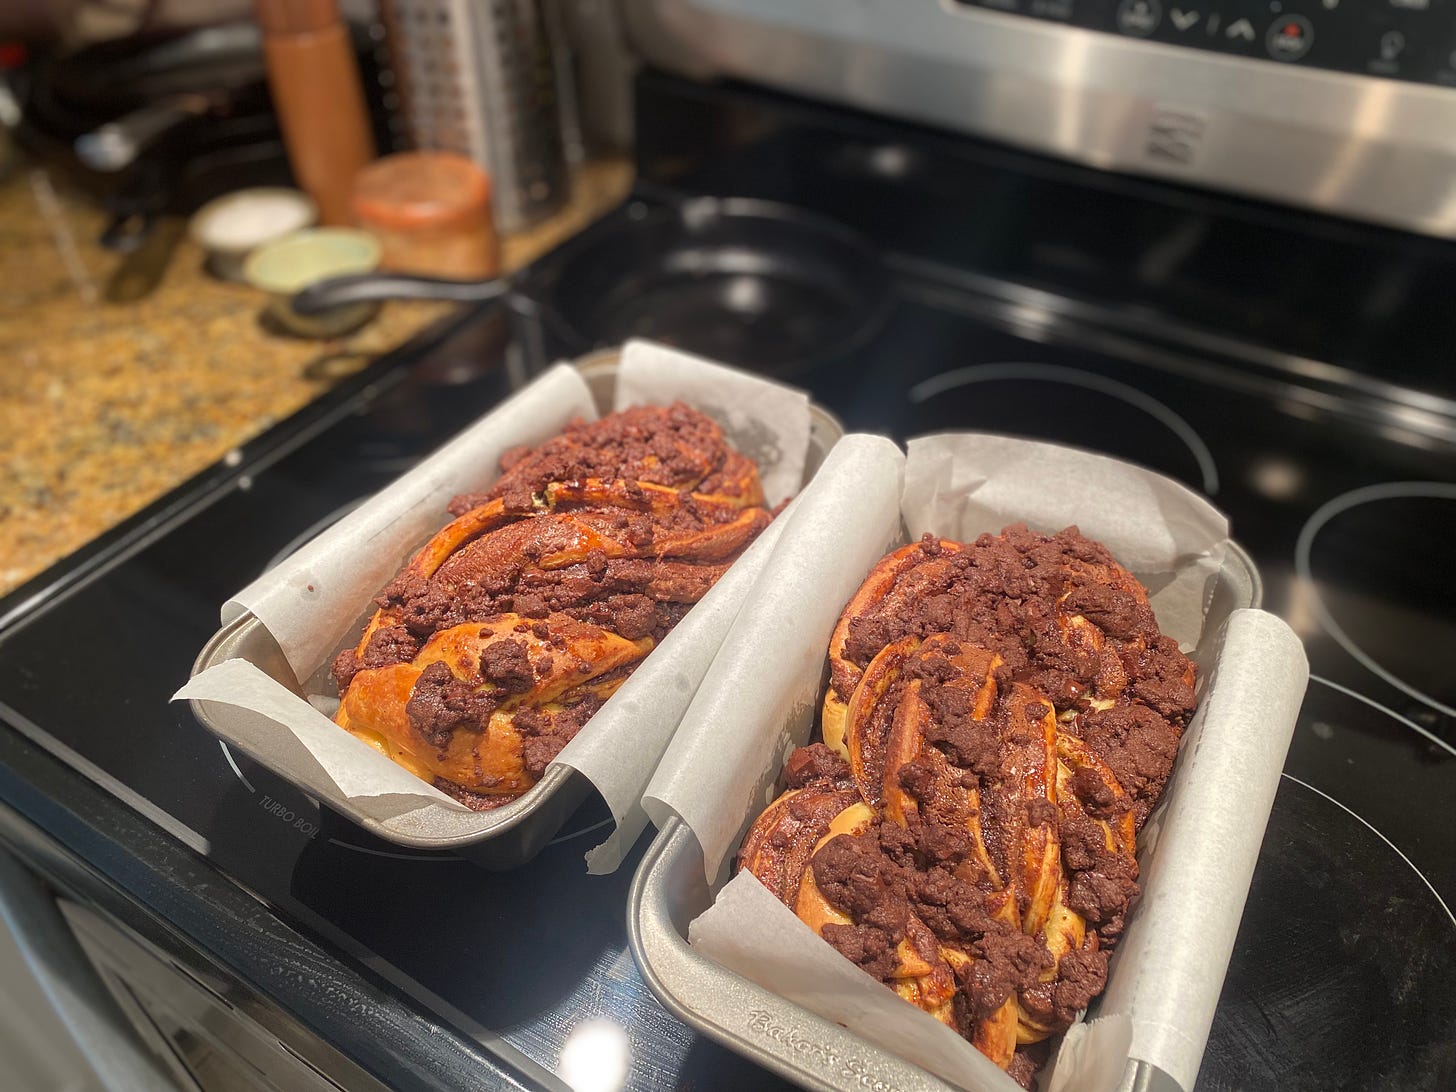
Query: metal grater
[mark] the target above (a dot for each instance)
(477, 77)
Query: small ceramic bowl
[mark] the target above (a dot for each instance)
(291, 264)
(232, 226)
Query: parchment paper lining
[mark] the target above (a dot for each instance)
(1197, 852)
(313, 601)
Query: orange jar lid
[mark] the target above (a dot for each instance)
(409, 191)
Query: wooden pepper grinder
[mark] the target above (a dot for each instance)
(319, 99)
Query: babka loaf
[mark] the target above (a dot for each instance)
(520, 618)
(1000, 720)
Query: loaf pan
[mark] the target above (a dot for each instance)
(504, 837)
(669, 891)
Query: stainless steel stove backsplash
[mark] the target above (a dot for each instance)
(1343, 108)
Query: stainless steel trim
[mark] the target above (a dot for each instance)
(99, 1030)
(669, 891)
(1376, 149)
(212, 1043)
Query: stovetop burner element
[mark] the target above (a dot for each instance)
(1067, 405)
(1377, 561)
(754, 283)
(1341, 978)
(1341, 975)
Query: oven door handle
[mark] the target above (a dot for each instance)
(97, 1026)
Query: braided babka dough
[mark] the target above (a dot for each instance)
(1000, 720)
(520, 618)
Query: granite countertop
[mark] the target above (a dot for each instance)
(104, 406)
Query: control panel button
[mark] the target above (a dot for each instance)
(1051, 9)
(1240, 28)
(1182, 19)
(1388, 56)
(1407, 40)
(1289, 38)
(1139, 17)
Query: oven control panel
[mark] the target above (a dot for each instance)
(1396, 39)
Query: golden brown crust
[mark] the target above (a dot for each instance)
(480, 743)
(519, 618)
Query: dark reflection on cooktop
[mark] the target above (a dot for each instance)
(728, 317)
(1067, 406)
(1391, 771)
(1342, 973)
(1378, 564)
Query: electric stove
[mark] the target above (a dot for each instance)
(1291, 368)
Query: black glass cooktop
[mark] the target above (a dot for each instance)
(1342, 976)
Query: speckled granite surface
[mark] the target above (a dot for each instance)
(104, 407)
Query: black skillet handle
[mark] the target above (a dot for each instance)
(137, 204)
(126, 232)
(369, 287)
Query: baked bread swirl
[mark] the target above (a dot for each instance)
(1000, 720)
(517, 621)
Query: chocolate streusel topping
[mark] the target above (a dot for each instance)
(1010, 713)
(663, 445)
(592, 545)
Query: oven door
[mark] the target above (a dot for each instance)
(59, 1027)
(93, 1005)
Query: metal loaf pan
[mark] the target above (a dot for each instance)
(503, 838)
(669, 891)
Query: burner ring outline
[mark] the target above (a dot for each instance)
(444, 859)
(238, 773)
(227, 754)
(1376, 831)
(413, 857)
(1303, 570)
(1425, 733)
(1056, 373)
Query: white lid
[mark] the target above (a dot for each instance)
(244, 219)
